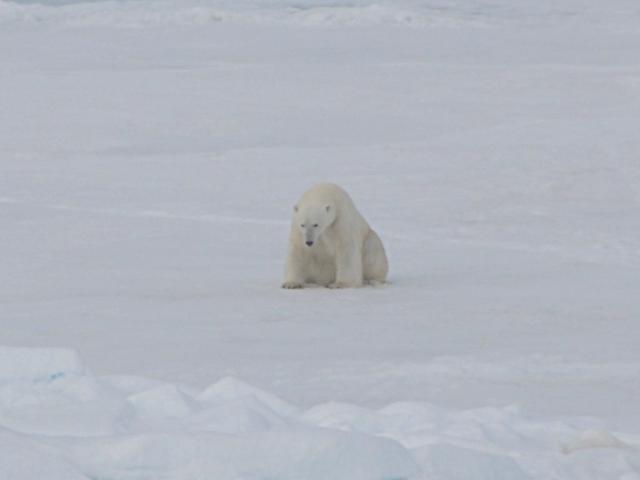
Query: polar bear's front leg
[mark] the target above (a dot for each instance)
(348, 267)
(293, 277)
(294, 274)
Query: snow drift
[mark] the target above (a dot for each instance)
(56, 417)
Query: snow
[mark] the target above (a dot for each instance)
(150, 154)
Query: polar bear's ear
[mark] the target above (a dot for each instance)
(327, 208)
(295, 208)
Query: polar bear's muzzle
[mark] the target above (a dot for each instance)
(310, 236)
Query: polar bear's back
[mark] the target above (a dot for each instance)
(325, 193)
(328, 194)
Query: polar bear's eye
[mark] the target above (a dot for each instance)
(315, 225)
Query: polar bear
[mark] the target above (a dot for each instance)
(331, 244)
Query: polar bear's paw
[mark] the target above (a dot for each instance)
(338, 285)
(292, 285)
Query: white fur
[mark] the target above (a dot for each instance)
(344, 250)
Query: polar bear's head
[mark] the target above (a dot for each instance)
(312, 221)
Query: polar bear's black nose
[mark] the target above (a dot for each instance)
(309, 242)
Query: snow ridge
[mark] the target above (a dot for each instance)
(448, 13)
(79, 426)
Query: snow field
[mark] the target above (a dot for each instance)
(150, 153)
